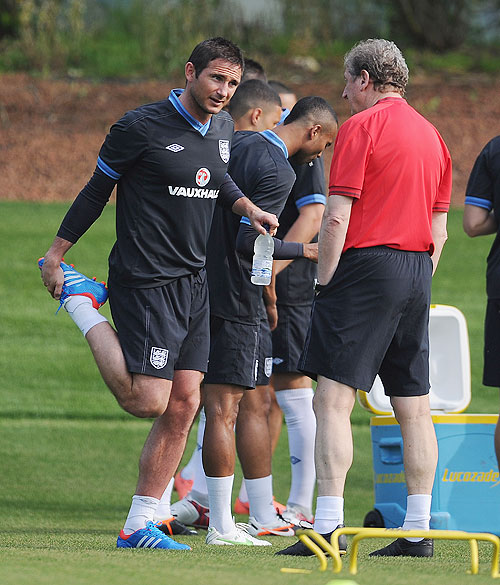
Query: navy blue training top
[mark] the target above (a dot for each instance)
(483, 190)
(260, 168)
(169, 169)
(295, 284)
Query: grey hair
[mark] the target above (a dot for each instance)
(383, 61)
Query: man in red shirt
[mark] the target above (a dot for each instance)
(380, 241)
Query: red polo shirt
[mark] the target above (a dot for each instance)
(398, 168)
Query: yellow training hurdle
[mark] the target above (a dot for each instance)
(319, 546)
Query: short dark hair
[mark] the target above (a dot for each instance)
(312, 108)
(253, 70)
(215, 48)
(279, 87)
(252, 93)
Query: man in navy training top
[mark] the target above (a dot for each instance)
(254, 107)
(481, 218)
(259, 162)
(169, 162)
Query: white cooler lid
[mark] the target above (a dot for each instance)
(449, 366)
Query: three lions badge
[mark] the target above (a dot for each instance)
(158, 357)
(224, 150)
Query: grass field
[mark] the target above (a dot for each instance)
(69, 454)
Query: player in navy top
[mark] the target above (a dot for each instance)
(482, 217)
(294, 286)
(169, 162)
(291, 390)
(254, 107)
(259, 165)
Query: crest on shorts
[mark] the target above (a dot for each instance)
(224, 150)
(268, 366)
(158, 357)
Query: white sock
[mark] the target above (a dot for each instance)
(190, 469)
(260, 498)
(297, 407)
(141, 512)
(163, 511)
(243, 495)
(219, 499)
(418, 513)
(199, 491)
(82, 312)
(329, 513)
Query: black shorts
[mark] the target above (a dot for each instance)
(165, 328)
(265, 353)
(373, 317)
(491, 372)
(233, 353)
(289, 337)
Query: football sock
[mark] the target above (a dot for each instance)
(141, 512)
(243, 495)
(199, 490)
(329, 513)
(189, 470)
(418, 513)
(82, 312)
(296, 405)
(260, 498)
(219, 499)
(163, 511)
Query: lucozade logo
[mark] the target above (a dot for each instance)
(490, 476)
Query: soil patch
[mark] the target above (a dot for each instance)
(51, 130)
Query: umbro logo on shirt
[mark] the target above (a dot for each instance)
(174, 147)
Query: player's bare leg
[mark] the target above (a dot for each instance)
(142, 396)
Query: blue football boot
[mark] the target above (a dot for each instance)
(76, 283)
(149, 537)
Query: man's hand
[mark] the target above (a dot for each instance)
(272, 316)
(269, 297)
(52, 274)
(311, 252)
(260, 219)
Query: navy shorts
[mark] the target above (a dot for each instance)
(373, 317)
(491, 372)
(265, 353)
(234, 351)
(289, 337)
(165, 328)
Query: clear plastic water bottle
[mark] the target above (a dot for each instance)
(262, 265)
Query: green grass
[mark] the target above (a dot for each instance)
(69, 454)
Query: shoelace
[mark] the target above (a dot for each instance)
(155, 531)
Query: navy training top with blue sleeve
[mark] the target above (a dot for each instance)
(483, 190)
(169, 169)
(295, 284)
(260, 168)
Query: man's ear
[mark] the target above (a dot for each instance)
(255, 116)
(314, 131)
(365, 78)
(189, 71)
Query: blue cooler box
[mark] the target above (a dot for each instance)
(466, 492)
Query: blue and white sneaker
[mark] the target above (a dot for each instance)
(76, 283)
(149, 537)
